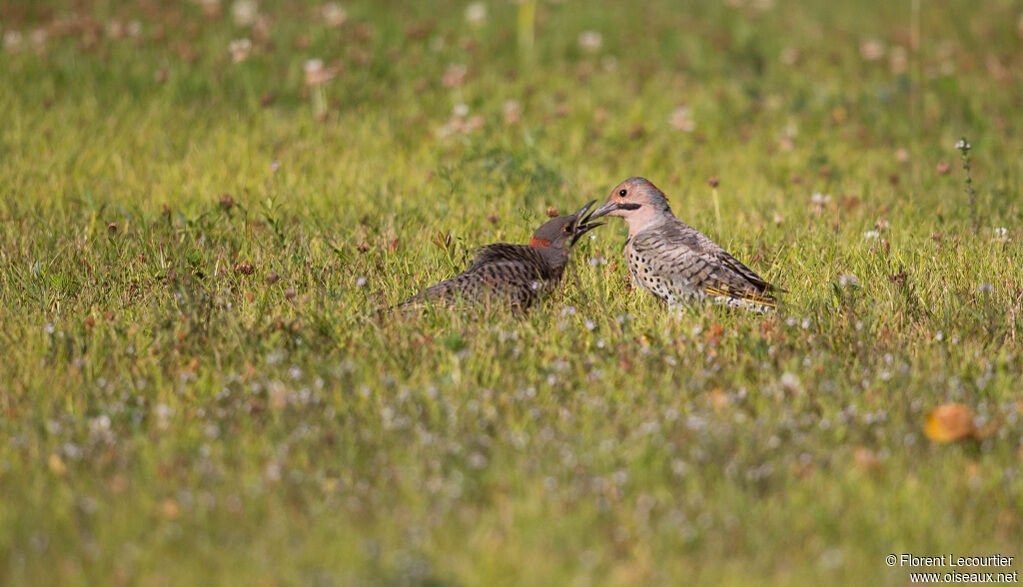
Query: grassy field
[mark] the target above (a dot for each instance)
(199, 226)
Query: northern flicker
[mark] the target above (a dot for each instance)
(673, 260)
(516, 275)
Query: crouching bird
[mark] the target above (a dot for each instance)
(515, 275)
(673, 260)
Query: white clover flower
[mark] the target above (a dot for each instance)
(591, 41)
(454, 76)
(872, 49)
(245, 12)
(12, 40)
(334, 14)
(239, 49)
(681, 119)
(848, 280)
(476, 13)
(360, 282)
(512, 111)
(316, 73)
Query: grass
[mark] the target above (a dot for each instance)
(205, 392)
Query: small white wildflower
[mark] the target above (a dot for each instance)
(848, 280)
(591, 41)
(682, 120)
(49, 328)
(12, 40)
(534, 285)
(315, 72)
(590, 324)
(985, 288)
(872, 49)
(360, 282)
(454, 76)
(568, 311)
(476, 13)
(272, 472)
(940, 336)
(245, 12)
(333, 14)
(239, 49)
(962, 145)
(99, 424)
(163, 412)
(512, 112)
(820, 199)
(789, 381)
(871, 234)
(460, 110)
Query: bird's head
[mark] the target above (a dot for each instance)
(636, 200)
(564, 231)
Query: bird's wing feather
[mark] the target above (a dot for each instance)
(703, 264)
(503, 253)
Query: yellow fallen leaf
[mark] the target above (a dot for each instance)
(949, 423)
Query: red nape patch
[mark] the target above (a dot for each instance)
(539, 242)
(651, 184)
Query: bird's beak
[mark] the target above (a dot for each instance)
(610, 207)
(583, 224)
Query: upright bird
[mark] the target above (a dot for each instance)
(516, 275)
(673, 260)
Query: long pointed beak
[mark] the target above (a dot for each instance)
(583, 224)
(604, 210)
(610, 207)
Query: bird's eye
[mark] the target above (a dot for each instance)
(622, 192)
